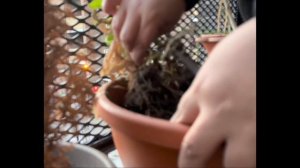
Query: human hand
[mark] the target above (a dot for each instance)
(136, 23)
(220, 105)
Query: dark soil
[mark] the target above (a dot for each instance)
(157, 86)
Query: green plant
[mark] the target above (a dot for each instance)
(97, 5)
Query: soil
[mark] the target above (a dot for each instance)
(157, 86)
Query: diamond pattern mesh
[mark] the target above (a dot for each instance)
(84, 38)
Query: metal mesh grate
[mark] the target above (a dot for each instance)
(84, 38)
(203, 19)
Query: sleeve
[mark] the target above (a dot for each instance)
(189, 4)
(247, 9)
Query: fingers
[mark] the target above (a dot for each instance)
(142, 43)
(241, 150)
(130, 29)
(201, 142)
(118, 21)
(147, 33)
(136, 24)
(110, 6)
(187, 109)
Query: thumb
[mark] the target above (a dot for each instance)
(187, 109)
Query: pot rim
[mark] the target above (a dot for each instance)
(210, 38)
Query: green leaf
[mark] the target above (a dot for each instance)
(95, 4)
(109, 39)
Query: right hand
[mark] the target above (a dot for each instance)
(220, 105)
(136, 23)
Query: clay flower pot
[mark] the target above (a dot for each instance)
(141, 141)
(209, 41)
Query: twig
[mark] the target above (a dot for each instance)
(219, 16)
(171, 42)
(229, 14)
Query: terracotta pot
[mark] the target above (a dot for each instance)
(141, 141)
(209, 41)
